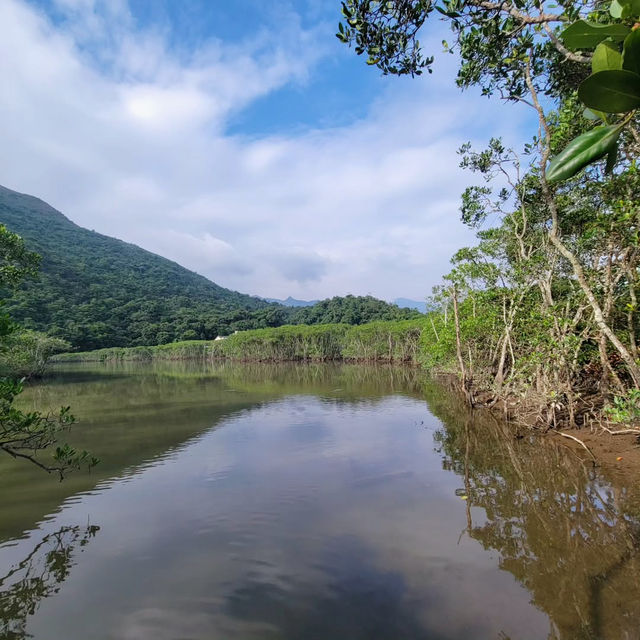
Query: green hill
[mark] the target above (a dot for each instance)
(96, 291)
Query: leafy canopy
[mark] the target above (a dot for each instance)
(587, 47)
(24, 434)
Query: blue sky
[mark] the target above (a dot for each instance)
(242, 140)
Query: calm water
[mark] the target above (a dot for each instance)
(308, 502)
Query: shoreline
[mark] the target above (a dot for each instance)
(618, 452)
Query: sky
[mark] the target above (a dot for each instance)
(242, 140)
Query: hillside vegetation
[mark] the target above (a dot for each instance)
(395, 341)
(95, 291)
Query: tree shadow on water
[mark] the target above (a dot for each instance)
(38, 576)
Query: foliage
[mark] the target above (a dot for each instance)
(16, 262)
(625, 409)
(500, 42)
(350, 310)
(23, 434)
(26, 353)
(545, 304)
(582, 151)
(612, 88)
(393, 341)
(94, 291)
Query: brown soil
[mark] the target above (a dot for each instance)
(620, 454)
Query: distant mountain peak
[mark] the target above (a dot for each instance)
(407, 303)
(97, 291)
(292, 302)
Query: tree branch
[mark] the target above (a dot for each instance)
(569, 55)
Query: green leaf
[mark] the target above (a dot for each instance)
(582, 151)
(606, 57)
(449, 14)
(611, 91)
(631, 52)
(618, 10)
(612, 158)
(587, 35)
(628, 8)
(590, 114)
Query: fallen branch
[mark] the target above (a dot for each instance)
(582, 444)
(620, 432)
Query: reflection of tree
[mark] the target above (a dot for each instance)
(568, 536)
(38, 576)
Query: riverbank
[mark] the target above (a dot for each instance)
(397, 342)
(404, 343)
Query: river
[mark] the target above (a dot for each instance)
(296, 502)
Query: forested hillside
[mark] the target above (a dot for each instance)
(96, 291)
(351, 310)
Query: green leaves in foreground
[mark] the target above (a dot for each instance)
(606, 57)
(631, 52)
(622, 9)
(584, 150)
(615, 91)
(587, 35)
(613, 87)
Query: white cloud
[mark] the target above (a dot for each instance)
(126, 136)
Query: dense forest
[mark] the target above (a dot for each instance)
(95, 291)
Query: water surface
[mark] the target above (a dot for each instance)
(293, 502)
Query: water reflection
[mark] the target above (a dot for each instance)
(38, 576)
(310, 502)
(570, 537)
(361, 600)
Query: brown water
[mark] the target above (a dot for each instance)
(295, 502)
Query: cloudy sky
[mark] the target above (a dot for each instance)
(242, 140)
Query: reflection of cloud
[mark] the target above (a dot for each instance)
(358, 601)
(278, 522)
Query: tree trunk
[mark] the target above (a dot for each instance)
(578, 271)
(564, 251)
(466, 382)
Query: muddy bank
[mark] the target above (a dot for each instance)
(591, 441)
(620, 454)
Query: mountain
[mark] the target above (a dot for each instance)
(406, 303)
(95, 291)
(292, 302)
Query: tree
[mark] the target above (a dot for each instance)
(25, 434)
(567, 245)
(497, 41)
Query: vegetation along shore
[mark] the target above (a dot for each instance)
(430, 343)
